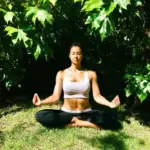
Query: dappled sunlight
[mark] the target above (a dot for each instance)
(2, 138)
(107, 141)
(21, 131)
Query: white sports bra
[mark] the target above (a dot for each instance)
(76, 89)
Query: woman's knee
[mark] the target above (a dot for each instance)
(38, 116)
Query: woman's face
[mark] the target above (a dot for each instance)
(75, 55)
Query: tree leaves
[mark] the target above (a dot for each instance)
(122, 3)
(148, 67)
(106, 28)
(101, 22)
(39, 14)
(138, 83)
(19, 35)
(98, 15)
(78, 1)
(9, 16)
(37, 52)
(111, 8)
(92, 4)
(53, 2)
(141, 95)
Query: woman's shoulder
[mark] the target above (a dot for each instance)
(60, 73)
(91, 74)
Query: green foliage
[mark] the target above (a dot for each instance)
(53, 2)
(101, 15)
(138, 81)
(122, 3)
(90, 5)
(23, 36)
(39, 14)
(9, 16)
(114, 32)
(20, 35)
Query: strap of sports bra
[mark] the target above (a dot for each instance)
(66, 75)
(86, 75)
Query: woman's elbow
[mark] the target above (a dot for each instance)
(56, 98)
(97, 98)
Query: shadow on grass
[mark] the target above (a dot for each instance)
(10, 110)
(17, 105)
(2, 138)
(108, 142)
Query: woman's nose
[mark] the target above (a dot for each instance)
(76, 55)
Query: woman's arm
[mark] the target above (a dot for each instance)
(56, 93)
(98, 97)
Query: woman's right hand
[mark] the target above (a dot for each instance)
(36, 100)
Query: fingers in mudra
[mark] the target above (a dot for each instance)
(116, 100)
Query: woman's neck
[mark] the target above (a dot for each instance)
(75, 67)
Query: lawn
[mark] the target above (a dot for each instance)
(20, 131)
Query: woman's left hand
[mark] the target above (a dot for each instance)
(115, 102)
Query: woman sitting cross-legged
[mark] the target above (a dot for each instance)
(76, 83)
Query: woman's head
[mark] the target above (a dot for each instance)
(76, 53)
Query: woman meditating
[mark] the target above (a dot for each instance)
(76, 83)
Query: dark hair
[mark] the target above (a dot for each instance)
(76, 44)
(82, 49)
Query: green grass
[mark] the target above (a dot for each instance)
(20, 131)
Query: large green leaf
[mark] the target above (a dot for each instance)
(92, 4)
(127, 92)
(148, 67)
(48, 17)
(102, 14)
(9, 16)
(31, 11)
(39, 14)
(3, 10)
(96, 23)
(10, 30)
(106, 28)
(100, 19)
(37, 52)
(130, 89)
(141, 95)
(111, 8)
(143, 84)
(138, 2)
(91, 18)
(53, 2)
(9, 6)
(19, 36)
(122, 3)
(139, 78)
(42, 15)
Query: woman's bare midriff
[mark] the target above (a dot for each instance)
(76, 104)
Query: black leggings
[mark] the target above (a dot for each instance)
(58, 118)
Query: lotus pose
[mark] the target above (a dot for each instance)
(76, 83)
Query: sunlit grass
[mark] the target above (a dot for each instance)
(20, 131)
